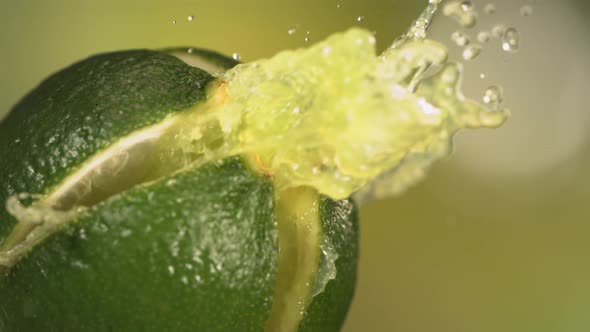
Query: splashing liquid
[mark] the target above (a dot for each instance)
(336, 117)
(462, 12)
(340, 118)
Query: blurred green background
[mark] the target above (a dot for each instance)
(495, 239)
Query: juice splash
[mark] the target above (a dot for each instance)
(336, 117)
(340, 118)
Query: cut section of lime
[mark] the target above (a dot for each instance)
(126, 222)
(171, 190)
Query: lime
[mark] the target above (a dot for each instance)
(116, 220)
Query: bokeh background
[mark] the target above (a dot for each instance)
(497, 238)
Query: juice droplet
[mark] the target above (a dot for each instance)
(191, 18)
(173, 21)
(360, 18)
(482, 76)
(466, 5)
(526, 10)
(493, 96)
(471, 52)
(291, 31)
(462, 12)
(498, 30)
(460, 38)
(483, 37)
(489, 8)
(511, 40)
(236, 56)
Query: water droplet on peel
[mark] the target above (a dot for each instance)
(498, 30)
(471, 52)
(460, 38)
(236, 56)
(171, 269)
(483, 37)
(190, 18)
(493, 96)
(360, 18)
(489, 8)
(511, 40)
(526, 10)
(292, 31)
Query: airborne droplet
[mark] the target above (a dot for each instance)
(526, 10)
(498, 30)
(236, 56)
(471, 52)
(466, 5)
(360, 18)
(493, 96)
(483, 37)
(511, 40)
(462, 12)
(190, 18)
(460, 38)
(489, 8)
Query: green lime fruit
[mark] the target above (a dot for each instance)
(112, 224)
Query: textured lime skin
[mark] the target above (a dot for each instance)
(184, 254)
(167, 257)
(85, 108)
